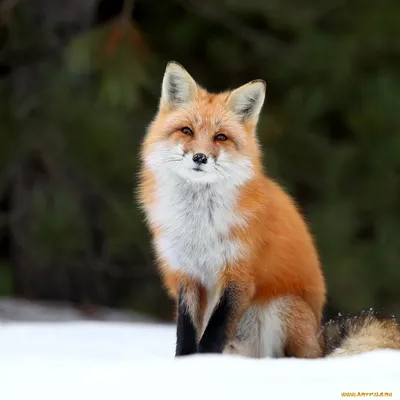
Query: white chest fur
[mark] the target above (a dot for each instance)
(195, 220)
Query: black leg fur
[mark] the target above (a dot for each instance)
(186, 342)
(216, 334)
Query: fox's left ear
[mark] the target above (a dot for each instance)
(247, 100)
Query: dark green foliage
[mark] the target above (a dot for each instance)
(72, 118)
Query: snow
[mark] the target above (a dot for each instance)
(103, 360)
(12, 309)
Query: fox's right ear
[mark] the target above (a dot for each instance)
(178, 87)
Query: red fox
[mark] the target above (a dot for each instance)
(359, 333)
(231, 245)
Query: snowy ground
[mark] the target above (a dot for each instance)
(124, 360)
(28, 311)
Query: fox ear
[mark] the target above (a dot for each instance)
(178, 87)
(247, 100)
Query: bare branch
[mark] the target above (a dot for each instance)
(128, 9)
(233, 24)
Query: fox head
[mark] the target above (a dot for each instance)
(201, 136)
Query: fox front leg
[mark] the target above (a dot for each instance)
(189, 318)
(223, 322)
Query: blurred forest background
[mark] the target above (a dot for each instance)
(80, 80)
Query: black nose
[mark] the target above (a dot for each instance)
(200, 158)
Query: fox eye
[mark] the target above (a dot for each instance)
(187, 131)
(221, 137)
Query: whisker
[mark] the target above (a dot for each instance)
(221, 171)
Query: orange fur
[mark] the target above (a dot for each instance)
(281, 259)
(301, 328)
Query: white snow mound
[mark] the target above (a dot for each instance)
(102, 360)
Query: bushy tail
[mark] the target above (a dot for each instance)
(359, 333)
